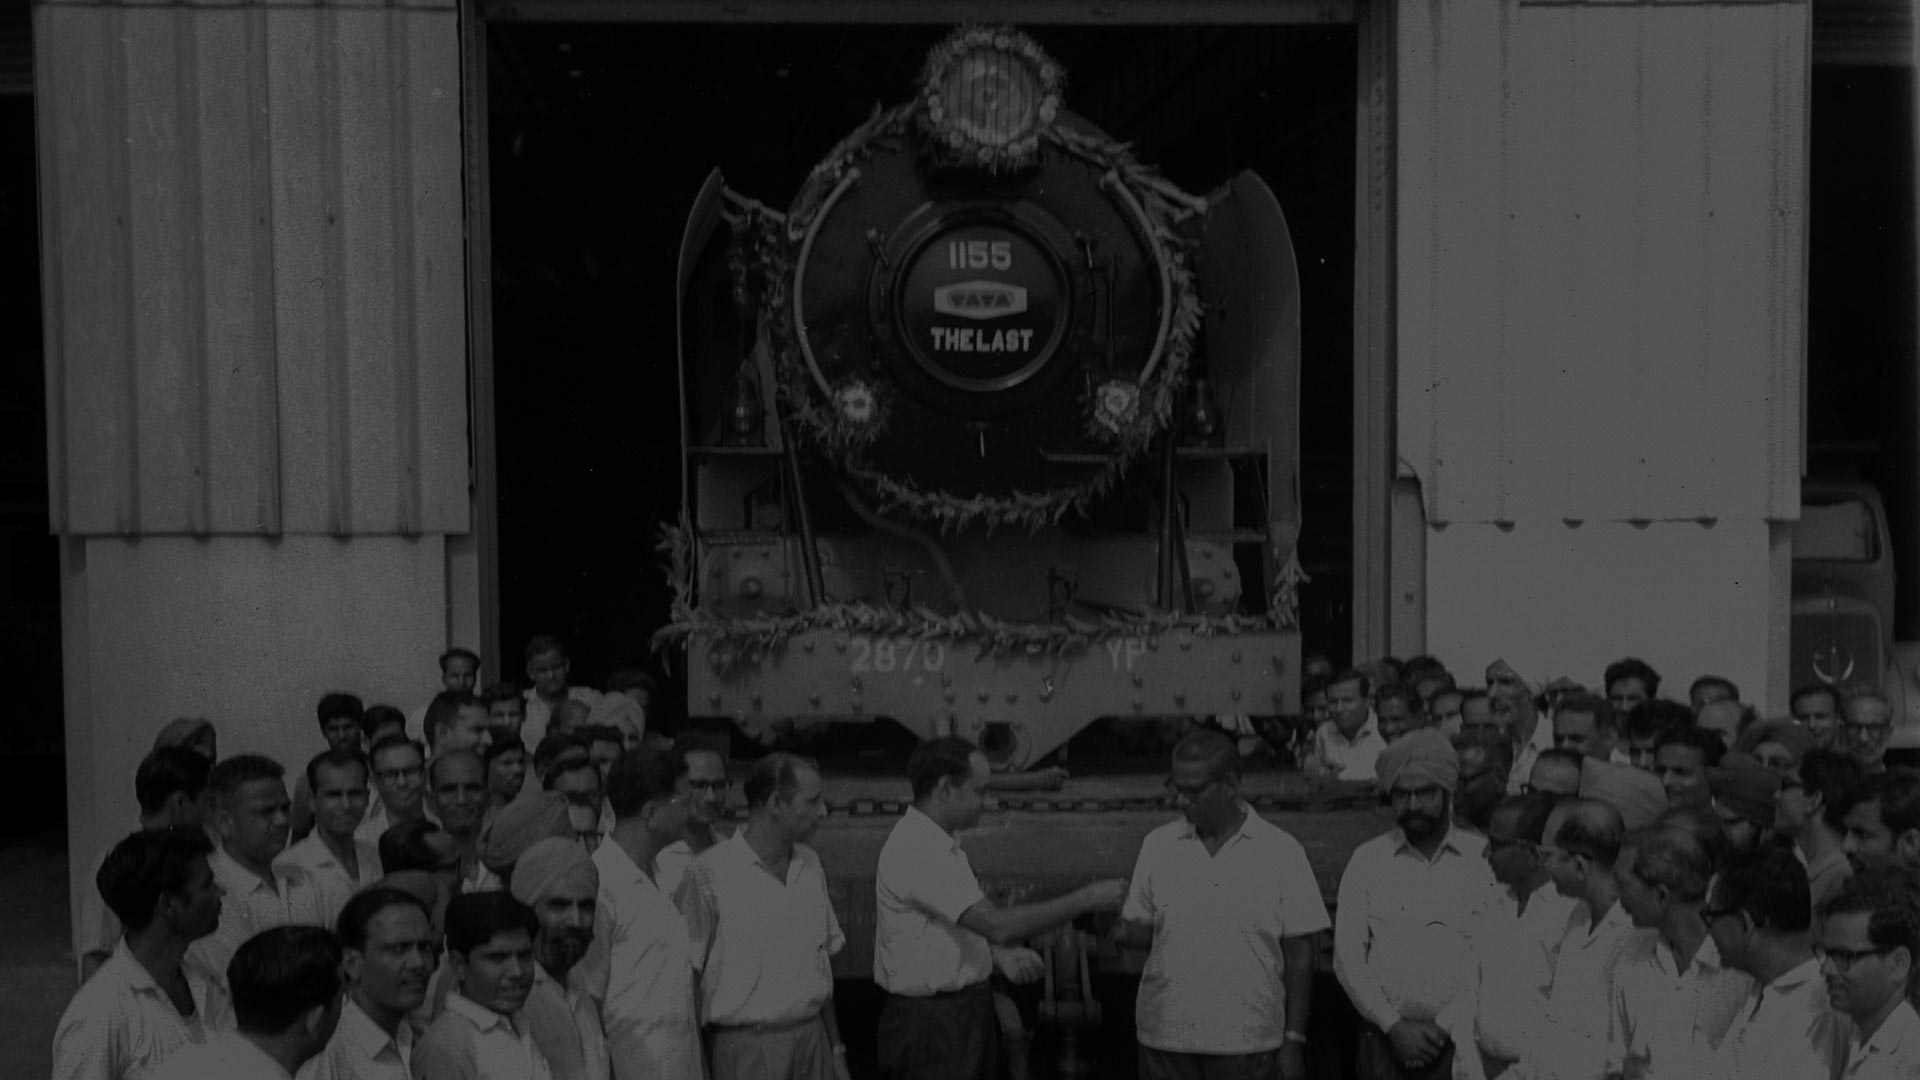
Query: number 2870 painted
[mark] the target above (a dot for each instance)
(887, 656)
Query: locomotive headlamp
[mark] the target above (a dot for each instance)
(986, 97)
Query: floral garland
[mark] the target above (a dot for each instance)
(746, 640)
(956, 136)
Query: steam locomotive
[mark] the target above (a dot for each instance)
(992, 431)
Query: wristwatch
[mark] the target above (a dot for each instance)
(1295, 1037)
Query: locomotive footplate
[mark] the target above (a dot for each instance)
(1019, 705)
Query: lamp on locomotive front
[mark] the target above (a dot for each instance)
(981, 314)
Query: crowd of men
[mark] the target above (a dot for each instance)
(531, 885)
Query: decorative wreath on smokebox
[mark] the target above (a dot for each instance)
(1125, 415)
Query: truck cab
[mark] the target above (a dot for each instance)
(1841, 630)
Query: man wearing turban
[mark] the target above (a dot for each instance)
(557, 879)
(1406, 902)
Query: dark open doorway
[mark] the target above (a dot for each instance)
(599, 137)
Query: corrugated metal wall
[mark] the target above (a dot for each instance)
(254, 286)
(1601, 263)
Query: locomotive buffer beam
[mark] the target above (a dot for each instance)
(1020, 704)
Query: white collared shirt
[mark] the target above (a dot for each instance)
(1667, 1024)
(359, 1050)
(1525, 756)
(565, 1023)
(122, 1025)
(671, 862)
(1400, 944)
(224, 1057)
(248, 905)
(1893, 1053)
(1349, 759)
(469, 1041)
(922, 884)
(1516, 950)
(1787, 1029)
(1574, 1043)
(643, 975)
(1215, 982)
(332, 885)
(763, 947)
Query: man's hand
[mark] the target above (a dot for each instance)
(1103, 895)
(1293, 1061)
(1020, 966)
(1417, 1043)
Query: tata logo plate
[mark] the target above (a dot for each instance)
(980, 299)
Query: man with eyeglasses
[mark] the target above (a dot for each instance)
(1518, 933)
(1230, 906)
(1810, 810)
(1584, 838)
(1870, 934)
(1674, 997)
(703, 783)
(400, 780)
(1406, 902)
(1882, 821)
(1869, 719)
(1759, 917)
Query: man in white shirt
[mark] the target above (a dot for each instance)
(286, 999)
(1231, 908)
(1810, 809)
(481, 1035)
(1345, 747)
(556, 878)
(1515, 710)
(1518, 935)
(936, 935)
(400, 779)
(457, 798)
(1407, 902)
(335, 861)
(251, 811)
(171, 788)
(1759, 918)
(641, 964)
(387, 945)
(1584, 841)
(144, 1004)
(703, 783)
(764, 934)
(547, 669)
(1673, 997)
(1869, 935)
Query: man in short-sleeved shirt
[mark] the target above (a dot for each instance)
(144, 1004)
(936, 935)
(171, 786)
(764, 934)
(1230, 904)
(335, 862)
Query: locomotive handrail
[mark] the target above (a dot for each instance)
(851, 178)
(1112, 183)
